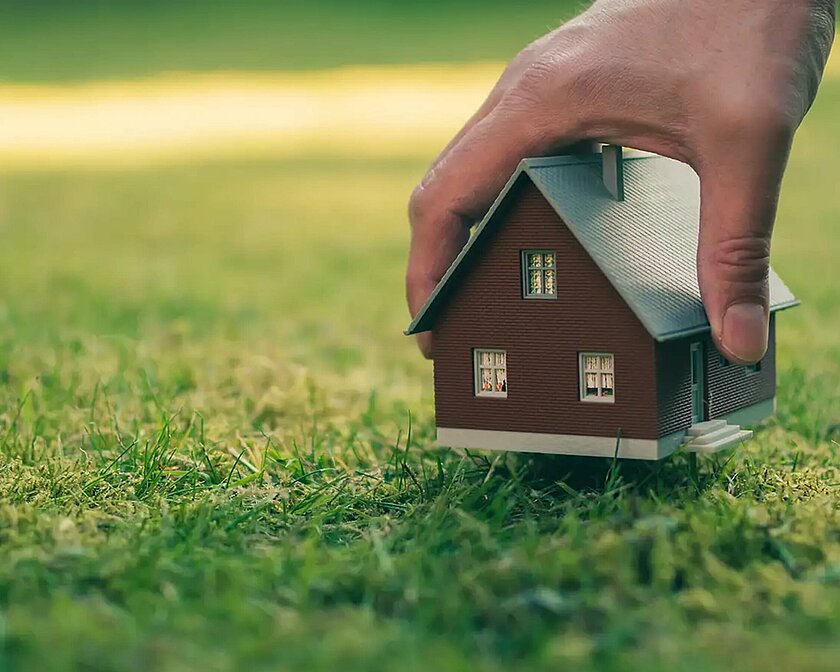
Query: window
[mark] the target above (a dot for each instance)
(753, 368)
(597, 377)
(490, 373)
(539, 274)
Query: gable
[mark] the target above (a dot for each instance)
(488, 286)
(542, 339)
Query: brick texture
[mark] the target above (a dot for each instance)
(485, 309)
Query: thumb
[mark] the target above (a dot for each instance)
(739, 197)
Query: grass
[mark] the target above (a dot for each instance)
(91, 39)
(216, 450)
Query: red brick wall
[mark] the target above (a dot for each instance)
(485, 309)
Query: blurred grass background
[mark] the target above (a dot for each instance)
(216, 444)
(53, 40)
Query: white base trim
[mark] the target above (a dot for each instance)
(589, 446)
(752, 415)
(559, 444)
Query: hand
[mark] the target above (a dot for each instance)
(721, 86)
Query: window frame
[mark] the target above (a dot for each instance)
(526, 268)
(582, 371)
(477, 368)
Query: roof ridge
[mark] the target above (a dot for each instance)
(580, 159)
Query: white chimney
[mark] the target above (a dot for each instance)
(613, 166)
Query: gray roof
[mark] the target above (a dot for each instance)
(645, 245)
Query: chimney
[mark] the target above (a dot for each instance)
(613, 168)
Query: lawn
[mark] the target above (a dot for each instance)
(216, 449)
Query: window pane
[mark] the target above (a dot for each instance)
(607, 363)
(591, 384)
(591, 363)
(486, 380)
(606, 385)
(548, 260)
(550, 286)
(535, 282)
(534, 259)
(501, 380)
(491, 372)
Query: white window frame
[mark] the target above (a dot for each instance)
(582, 371)
(477, 368)
(527, 268)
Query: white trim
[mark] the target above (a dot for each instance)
(477, 352)
(582, 371)
(592, 446)
(560, 444)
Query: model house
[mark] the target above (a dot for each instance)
(572, 321)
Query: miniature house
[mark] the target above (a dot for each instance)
(572, 322)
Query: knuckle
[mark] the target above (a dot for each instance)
(531, 52)
(419, 202)
(416, 276)
(544, 83)
(774, 120)
(743, 263)
(533, 82)
(750, 114)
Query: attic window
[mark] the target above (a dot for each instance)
(539, 274)
(490, 373)
(597, 377)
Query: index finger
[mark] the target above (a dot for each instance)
(459, 190)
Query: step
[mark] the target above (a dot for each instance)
(716, 435)
(706, 427)
(721, 444)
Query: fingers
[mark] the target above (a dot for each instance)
(739, 194)
(459, 190)
(506, 82)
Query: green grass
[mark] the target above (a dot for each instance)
(217, 452)
(52, 40)
(216, 445)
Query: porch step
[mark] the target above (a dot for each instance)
(720, 444)
(705, 427)
(715, 435)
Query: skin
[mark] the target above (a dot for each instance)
(721, 86)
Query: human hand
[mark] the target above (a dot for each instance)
(720, 86)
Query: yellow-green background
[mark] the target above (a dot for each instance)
(216, 445)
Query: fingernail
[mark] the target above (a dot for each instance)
(745, 331)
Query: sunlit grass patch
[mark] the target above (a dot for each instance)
(396, 111)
